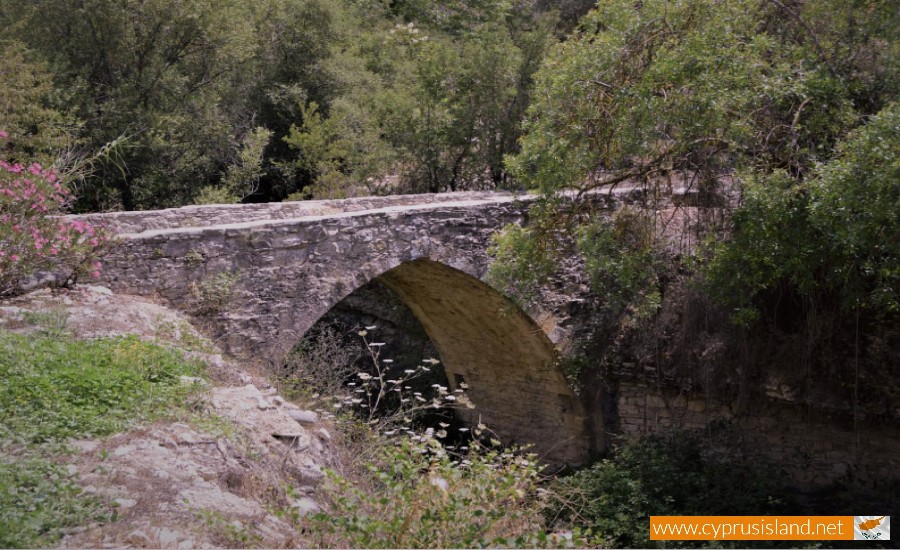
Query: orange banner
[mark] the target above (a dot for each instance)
(751, 527)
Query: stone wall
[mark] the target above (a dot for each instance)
(815, 446)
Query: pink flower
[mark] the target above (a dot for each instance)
(3, 135)
(95, 274)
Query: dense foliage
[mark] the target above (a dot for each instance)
(790, 104)
(679, 475)
(204, 101)
(836, 233)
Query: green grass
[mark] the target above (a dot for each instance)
(38, 503)
(53, 388)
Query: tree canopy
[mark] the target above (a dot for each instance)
(793, 101)
(308, 98)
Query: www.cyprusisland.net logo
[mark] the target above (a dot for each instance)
(871, 527)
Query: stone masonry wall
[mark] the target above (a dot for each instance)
(816, 446)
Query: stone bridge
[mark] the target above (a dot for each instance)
(262, 275)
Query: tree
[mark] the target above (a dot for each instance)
(180, 83)
(31, 109)
(761, 91)
(432, 98)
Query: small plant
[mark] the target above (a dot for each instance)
(214, 293)
(193, 258)
(386, 399)
(320, 365)
(52, 322)
(228, 533)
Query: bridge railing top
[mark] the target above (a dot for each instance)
(224, 214)
(190, 217)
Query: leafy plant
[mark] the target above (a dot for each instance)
(214, 293)
(833, 233)
(52, 389)
(623, 263)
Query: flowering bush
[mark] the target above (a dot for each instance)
(33, 236)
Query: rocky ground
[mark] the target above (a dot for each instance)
(245, 471)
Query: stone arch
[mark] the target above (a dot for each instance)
(508, 362)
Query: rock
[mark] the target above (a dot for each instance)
(166, 536)
(312, 473)
(97, 289)
(298, 441)
(304, 417)
(138, 538)
(84, 445)
(277, 401)
(186, 438)
(125, 503)
(123, 450)
(191, 380)
(186, 543)
(323, 434)
(71, 469)
(268, 528)
(262, 404)
(305, 506)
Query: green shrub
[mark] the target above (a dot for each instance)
(623, 262)
(678, 475)
(833, 234)
(214, 293)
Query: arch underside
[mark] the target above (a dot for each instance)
(508, 363)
